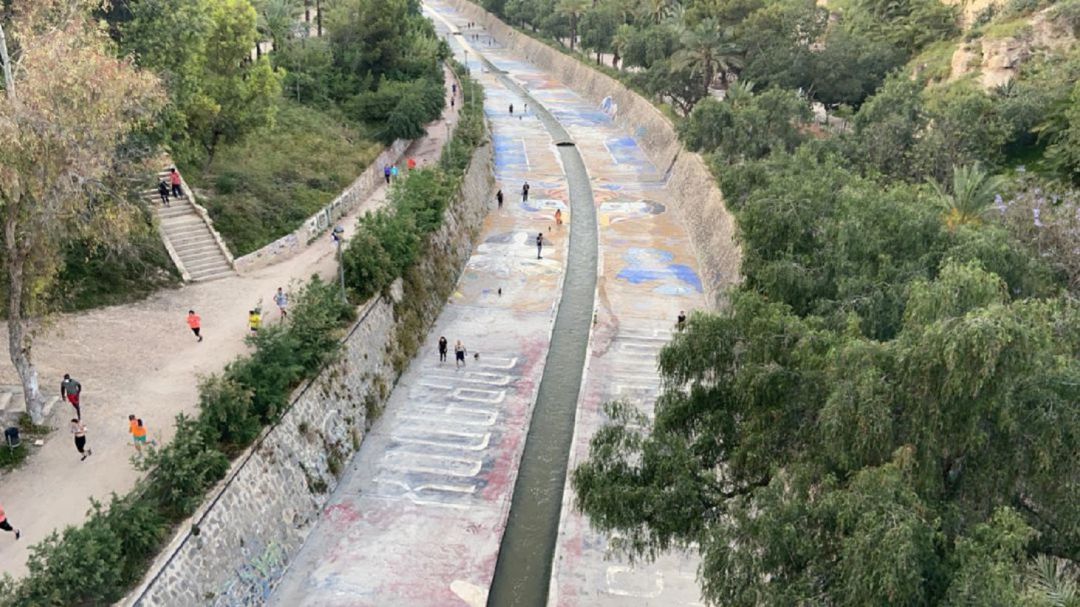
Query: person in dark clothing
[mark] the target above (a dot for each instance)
(525, 192)
(163, 191)
(442, 349)
(539, 244)
(511, 109)
(174, 178)
(70, 389)
(386, 173)
(680, 322)
(499, 198)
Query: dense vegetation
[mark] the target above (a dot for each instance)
(119, 540)
(885, 411)
(266, 185)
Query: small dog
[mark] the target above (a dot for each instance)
(476, 356)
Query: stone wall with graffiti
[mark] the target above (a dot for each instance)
(316, 225)
(695, 196)
(237, 546)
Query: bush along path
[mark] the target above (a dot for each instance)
(142, 358)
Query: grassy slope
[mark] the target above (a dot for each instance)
(265, 186)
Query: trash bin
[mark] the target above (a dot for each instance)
(11, 437)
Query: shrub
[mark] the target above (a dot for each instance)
(93, 564)
(225, 413)
(182, 471)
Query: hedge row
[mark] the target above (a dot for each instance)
(98, 562)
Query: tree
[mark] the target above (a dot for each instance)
(278, 20)
(708, 48)
(69, 105)
(572, 10)
(243, 93)
(779, 42)
(972, 191)
(216, 93)
(597, 29)
(1062, 130)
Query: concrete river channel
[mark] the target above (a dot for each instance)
(458, 494)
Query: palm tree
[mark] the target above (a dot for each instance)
(277, 19)
(658, 10)
(972, 192)
(1053, 581)
(709, 48)
(623, 35)
(573, 9)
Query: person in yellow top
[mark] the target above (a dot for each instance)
(254, 320)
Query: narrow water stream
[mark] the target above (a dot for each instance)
(523, 571)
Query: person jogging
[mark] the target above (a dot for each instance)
(163, 191)
(5, 524)
(138, 433)
(386, 174)
(459, 354)
(254, 320)
(525, 192)
(499, 198)
(174, 179)
(79, 430)
(442, 349)
(282, 301)
(558, 217)
(194, 323)
(539, 244)
(70, 389)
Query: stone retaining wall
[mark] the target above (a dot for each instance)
(698, 199)
(260, 515)
(360, 189)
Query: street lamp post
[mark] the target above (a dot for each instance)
(338, 237)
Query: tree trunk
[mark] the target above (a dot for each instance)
(18, 340)
(318, 18)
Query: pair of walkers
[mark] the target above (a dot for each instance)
(459, 352)
(71, 391)
(174, 187)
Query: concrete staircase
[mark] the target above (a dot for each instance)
(194, 246)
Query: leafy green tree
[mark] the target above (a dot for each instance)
(745, 126)
(850, 67)
(243, 93)
(778, 40)
(572, 10)
(598, 27)
(1062, 130)
(812, 465)
(202, 49)
(906, 24)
